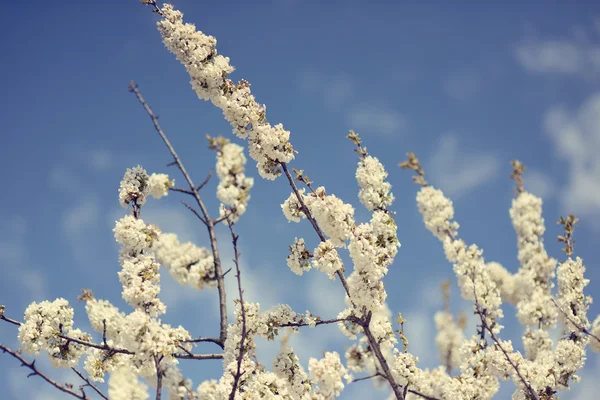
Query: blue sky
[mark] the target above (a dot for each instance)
(467, 87)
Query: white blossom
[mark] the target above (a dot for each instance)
(326, 259)
(134, 187)
(328, 373)
(125, 385)
(374, 192)
(234, 186)
(187, 263)
(159, 184)
(299, 258)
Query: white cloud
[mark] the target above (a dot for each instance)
(462, 86)
(14, 255)
(100, 160)
(337, 90)
(369, 118)
(576, 139)
(81, 217)
(61, 178)
(562, 56)
(457, 171)
(78, 223)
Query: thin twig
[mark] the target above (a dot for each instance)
(485, 326)
(89, 383)
(9, 320)
(238, 374)
(180, 190)
(205, 180)
(209, 222)
(35, 371)
(583, 329)
(183, 356)
(192, 209)
(204, 339)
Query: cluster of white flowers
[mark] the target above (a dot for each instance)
(299, 258)
(326, 259)
(287, 366)
(234, 186)
(437, 211)
(159, 184)
(291, 207)
(374, 192)
(187, 263)
(134, 187)
(534, 278)
(328, 373)
(335, 217)
(125, 385)
(140, 277)
(43, 327)
(208, 71)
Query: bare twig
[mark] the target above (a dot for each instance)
(238, 374)
(182, 356)
(379, 374)
(35, 371)
(486, 326)
(9, 320)
(89, 383)
(581, 328)
(180, 190)
(205, 181)
(205, 339)
(194, 189)
(192, 209)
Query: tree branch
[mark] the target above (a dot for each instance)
(89, 383)
(238, 374)
(35, 371)
(209, 222)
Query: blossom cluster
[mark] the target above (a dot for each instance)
(234, 186)
(268, 145)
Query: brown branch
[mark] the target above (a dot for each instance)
(183, 356)
(192, 209)
(312, 220)
(9, 320)
(364, 378)
(583, 329)
(205, 180)
(486, 327)
(238, 374)
(89, 383)
(159, 375)
(372, 341)
(109, 349)
(35, 371)
(209, 222)
(378, 374)
(180, 190)
(205, 339)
